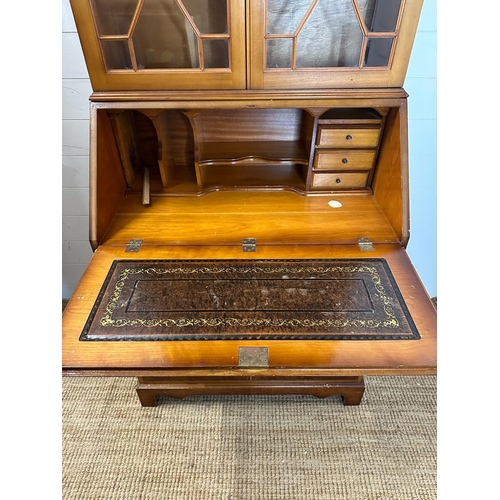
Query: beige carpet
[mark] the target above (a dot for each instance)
(249, 448)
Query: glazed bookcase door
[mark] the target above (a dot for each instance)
(331, 44)
(163, 44)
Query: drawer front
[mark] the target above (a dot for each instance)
(341, 180)
(348, 137)
(344, 160)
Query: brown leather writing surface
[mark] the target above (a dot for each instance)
(344, 299)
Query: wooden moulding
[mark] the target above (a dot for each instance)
(149, 389)
(315, 101)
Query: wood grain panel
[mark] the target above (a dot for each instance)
(391, 179)
(225, 218)
(348, 137)
(339, 180)
(337, 357)
(107, 185)
(344, 159)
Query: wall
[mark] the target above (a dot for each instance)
(420, 84)
(76, 89)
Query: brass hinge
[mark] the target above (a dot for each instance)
(249, 244)
(365, 245)
(133, 245)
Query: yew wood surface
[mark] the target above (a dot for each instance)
(337, 137)
(107, 185)
(391, 181)
(314, 100)
(333, 159)
(226, 217)
(339, 180)
(106, 190)
(286, 358)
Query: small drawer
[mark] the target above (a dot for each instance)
(339, 180)
(345, 159)
(348, 137)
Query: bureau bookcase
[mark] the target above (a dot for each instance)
(236, 145)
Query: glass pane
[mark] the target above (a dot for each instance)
(279, 53)
(378, 51)
(209, 16)
(116, 54)
(283, 18)
(381, 15)
(163, 37)
(340, 37)
(216, 53)
(112, 17)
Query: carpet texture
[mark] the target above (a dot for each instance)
(249, 447)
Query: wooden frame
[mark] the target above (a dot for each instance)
(261, 77)
(331, 358)
(198, 126)
(247, 59)
(107, 194)
(159, 79)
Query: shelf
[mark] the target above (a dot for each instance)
(256, 177)
(346, 116)
(255, 152)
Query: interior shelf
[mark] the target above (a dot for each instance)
(239, 148)
(255, 164)
(255, 177)
(255, 152)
